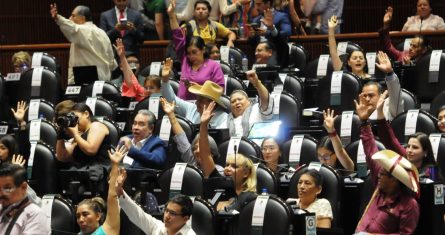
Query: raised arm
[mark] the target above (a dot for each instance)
(263, 93)
(341, 153)
(336, 62)
(169, 109)
(112, 221)
(207, 163)
(172, 16)
(126, 69)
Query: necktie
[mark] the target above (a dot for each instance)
(121, 16)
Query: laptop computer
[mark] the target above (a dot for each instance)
(84, 75)
(261, 130)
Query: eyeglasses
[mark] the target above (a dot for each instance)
(268, 148)
(172, 213)
(8, 190)
(325, 157)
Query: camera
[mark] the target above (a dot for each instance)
(69, 120)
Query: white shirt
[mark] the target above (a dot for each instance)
(139, 144)
(90, 45)
(146, 222)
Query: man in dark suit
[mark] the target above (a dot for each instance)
(144, 149)
(123, 22)
(273, 26)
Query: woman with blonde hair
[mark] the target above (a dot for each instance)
(21, 61)
(243, 173)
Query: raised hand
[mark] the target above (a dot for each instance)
(18, 160)
(120, 182)
(118, 155)
(19, 112)
(252, 77)
(388, 16)
(208, 113)
(381, 102)
(268, 18)
(171, 8)
(362, 109)
(332, 22)
(384, 63)
(168, 107)
(328, 122)
(167, 68)
(120, 48)
(53, 11)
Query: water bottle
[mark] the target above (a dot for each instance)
(264, 191)
(241, 32)
(245, 64)
(41, 116)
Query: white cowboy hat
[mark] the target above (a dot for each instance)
(399, 167)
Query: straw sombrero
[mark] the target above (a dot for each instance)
(209, 90)
(399, 167)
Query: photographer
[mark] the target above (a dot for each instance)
(89, 144)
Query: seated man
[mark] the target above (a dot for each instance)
(90, 45)
(144, 149)
(264, 54)
(206, 93)
(176, 213)
(18, 215)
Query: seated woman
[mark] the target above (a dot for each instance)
(423, 20)
(419, 45)
(271, 152)
(213, 51)
(356, 61)
(330, 150)
(441, 119)
(309, 186)
(8, 147)
(93, 217)
(89, 144)
(418, 149)
(203, 151)
(196, 67)
(244, 114)
(131, 86)
(243, 173)
(21, 61)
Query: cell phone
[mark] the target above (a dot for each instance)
(123, 21)
(255, 26)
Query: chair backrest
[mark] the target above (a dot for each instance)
(226, 69)
(437, 103)
(237, 55)
(63, 215)
(298, 56)
(226, 101)
(350, 88)
(440, 153)
(290, 110)
(352, 150)
(104, 108)
(409, 100)
(49, 87)
(308, 151)
(203, 217)
(266, 180)
(331, 188)
(424, 89)
(109, 92)
(246, 147)
(48, 132)
(294, 86)
(425, 123)
(44, 170)
(277, 217)
(48, 61)
(46, 109)
(113, 128)
(310, 71)
(192, 183)
(355, 129)
(232, 84)
(145, 104)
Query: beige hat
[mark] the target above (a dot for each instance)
(399, 167)
(209, 90)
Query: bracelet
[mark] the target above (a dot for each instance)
(365, 123)
(332, 134)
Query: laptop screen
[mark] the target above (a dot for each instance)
(84, 75)
(261, 130)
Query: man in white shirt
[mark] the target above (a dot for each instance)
(18, 215)
(90, 45)
(176, 213)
